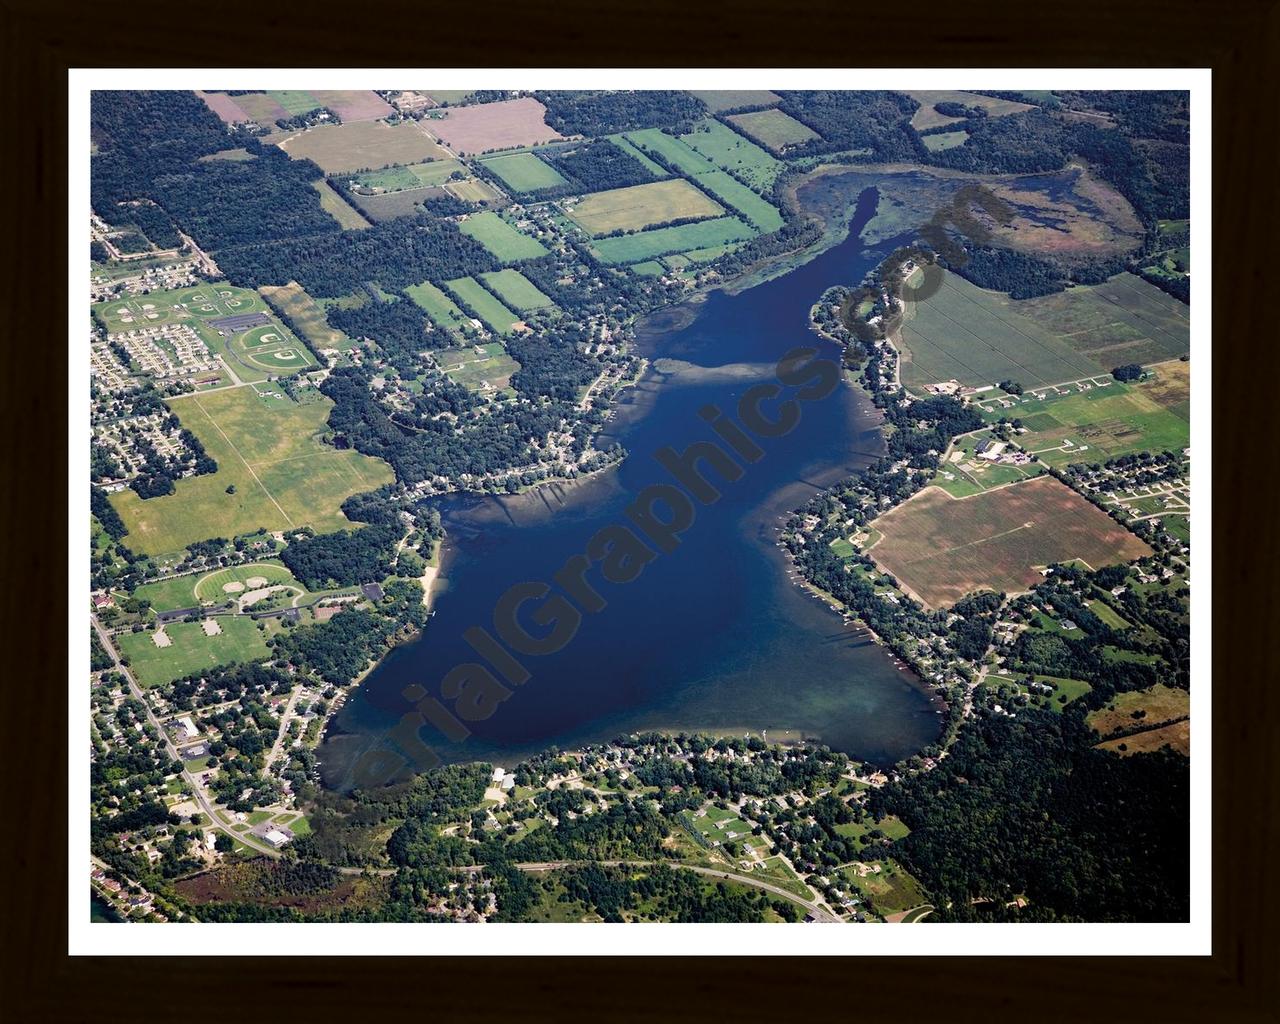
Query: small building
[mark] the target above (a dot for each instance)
(103, 600)
(276, 837)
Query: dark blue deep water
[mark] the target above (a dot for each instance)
(713, 635)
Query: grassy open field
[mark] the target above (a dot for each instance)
(674, 151)
(353, 104)
(353, 146)
(480, 367)
(1155, 706)
(941, 548)
(1124, 320)
(507, 124)
(965, 333)
(500, 238)
(306, 314)
(731, 152)
(397, 179)
(891, 890)
(944, 140)
(927, 117)
(270, 450)
(773, 129)
(524, 172)
(389, 205)
(295, 101)
(649, 268)
(516, 290)
(472, 295)
(191, 650)
(734, 99)
(641, 206)
(644, 245)
(472, 190)
(1176, 736)
(261, 107)
(1103, 422)
(442, 310)
(338, 208)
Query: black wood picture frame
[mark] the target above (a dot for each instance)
(1238, 39)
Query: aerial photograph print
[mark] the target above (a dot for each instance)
(637, 505)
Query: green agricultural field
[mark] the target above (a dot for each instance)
(338, 208)
(773, 129)
(1124, 320)
(735, 99)
(442, 310)
(524, 172)
(515, 290)
(709, 176)
(944, 140)
(295, 101)
(731, 152)
(190, 650)
(640, 206)
(354, 145)
(470, 293)
(645, 245)
(650, 268)
(965, 333)
(399, 179)
(1108, 420)
(500, 238)
(302, 310)
(647, 162)
(672, 150)
(272, 453)
(473, 190)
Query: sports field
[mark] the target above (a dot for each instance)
(773, 129)
(292, 300)
(473, 296)
(734, 99)
(270, 450)
(978, 337)
(640, 206)
(478, 367)
(516, 290)
(644, 245)
(1103, 422)
(397, 179)
(191, 649)
(349, 147)
(941, 548)
(500, 238)
(442, 310)
(506, 124)
(270, 349)
(205, 302)
(524, 172)
(731, 152)
(216, 587)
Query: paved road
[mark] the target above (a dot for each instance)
(819, 913)
(192, 782)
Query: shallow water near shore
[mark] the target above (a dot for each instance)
(715, 634)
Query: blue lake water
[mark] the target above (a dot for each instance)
(713, 635)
